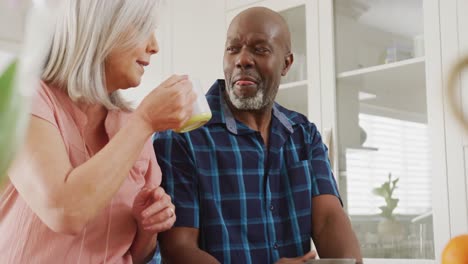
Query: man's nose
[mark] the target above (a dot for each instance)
(244, 59)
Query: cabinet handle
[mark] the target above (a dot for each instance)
(454, 98)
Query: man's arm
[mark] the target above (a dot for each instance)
(180, 245)
(143, 247)
(331, 229)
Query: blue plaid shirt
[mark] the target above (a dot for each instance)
(251, 203)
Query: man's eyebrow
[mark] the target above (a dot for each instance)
(232, 38)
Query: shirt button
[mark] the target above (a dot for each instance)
(272, 207)
(275, 246)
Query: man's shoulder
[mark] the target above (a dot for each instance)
(295, 118)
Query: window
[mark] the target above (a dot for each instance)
(402, 149)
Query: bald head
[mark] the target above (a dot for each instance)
(256, 18)
(257, 54)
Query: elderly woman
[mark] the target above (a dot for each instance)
(85, 187)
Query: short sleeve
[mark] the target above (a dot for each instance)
(42, 104)
(323, 180)
(179, 176)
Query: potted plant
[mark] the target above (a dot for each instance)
(389, 226)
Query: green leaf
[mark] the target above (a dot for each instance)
(9, 111)
(379, 191)
(392, 204)
(386, 187)
(6, 86)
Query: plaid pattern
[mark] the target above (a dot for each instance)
(251, 204)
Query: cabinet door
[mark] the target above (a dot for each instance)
(454, 45)
(375, 99)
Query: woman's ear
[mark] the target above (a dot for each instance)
(288, 61)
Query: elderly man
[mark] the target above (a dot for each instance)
(254, 184)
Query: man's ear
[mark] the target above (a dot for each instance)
(288, 61)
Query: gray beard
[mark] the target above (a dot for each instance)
(251, 103)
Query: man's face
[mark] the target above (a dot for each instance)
(254, 61)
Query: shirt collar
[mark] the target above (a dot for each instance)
(113, 122)
(215, 97)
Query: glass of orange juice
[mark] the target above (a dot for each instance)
(201, 110)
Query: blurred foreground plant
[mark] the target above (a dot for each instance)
(9, 117)
(22, 75)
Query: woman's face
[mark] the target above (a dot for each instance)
(124, 67)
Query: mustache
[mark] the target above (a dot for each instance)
(245, 76)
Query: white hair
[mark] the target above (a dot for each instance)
(86, 32)
(256, 102)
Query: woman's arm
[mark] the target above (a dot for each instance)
(66, 198)
(154, 213)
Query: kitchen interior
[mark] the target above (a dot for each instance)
(371, 74)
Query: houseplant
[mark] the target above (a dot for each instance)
(389, 226)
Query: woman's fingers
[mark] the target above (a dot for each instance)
(162, 226)
(158, 205)
(160, 217)
(309, 255)
(169, 106)
(173, 80)
(297, 260)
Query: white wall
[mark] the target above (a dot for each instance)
(191, 39)
(199, 34)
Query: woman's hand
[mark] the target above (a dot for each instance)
(168, 106)
(302, 259)
(153, 210)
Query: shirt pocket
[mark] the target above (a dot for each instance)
(299, 190)
(300, 180)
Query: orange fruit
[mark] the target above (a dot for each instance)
(456, 251)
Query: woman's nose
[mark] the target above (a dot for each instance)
(152, 47)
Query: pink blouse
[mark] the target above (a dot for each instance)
(105, 239)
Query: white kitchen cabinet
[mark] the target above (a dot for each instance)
(382, 123)
(454, 43)
(372, 81)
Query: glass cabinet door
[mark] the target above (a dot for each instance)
(384, 167)
(293, 91)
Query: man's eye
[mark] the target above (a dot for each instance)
(231, 49)
(262, 50)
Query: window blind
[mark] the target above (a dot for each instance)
(402, 150)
